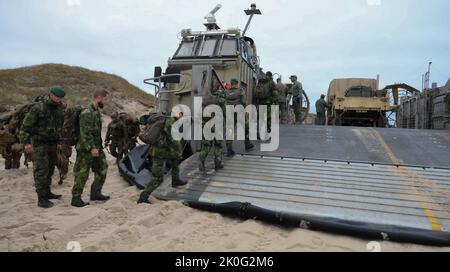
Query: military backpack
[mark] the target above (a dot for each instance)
(154, 124)
(71, 127)
(262, 90)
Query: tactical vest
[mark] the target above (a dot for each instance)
(49, 124)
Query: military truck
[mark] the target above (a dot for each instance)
(357, 102)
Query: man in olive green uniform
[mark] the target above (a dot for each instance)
(206, 146)
(116, 136)
(40, 133)
(235, 96)
(297, 96)
(133, 129)
(11, 151)
(165, 150)
(321, 107)
(90, 153)
(282, 95)
(272, 99)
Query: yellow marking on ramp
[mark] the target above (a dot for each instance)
(408, 175)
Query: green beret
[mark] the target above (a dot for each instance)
(58, 91)
(234, 80)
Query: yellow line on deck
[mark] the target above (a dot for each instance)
(409, 174)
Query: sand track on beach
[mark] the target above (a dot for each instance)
(122, 225)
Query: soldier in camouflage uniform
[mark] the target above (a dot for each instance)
(90, 153)
(235, 96)
(40, 133)
(282, 101)
(269, 101)
(64, 149)
(64, 152)
(321, 108)
(133, 130)
(297, 96)
(116, 137)
(165, 150)
(206, 146)
(11, 151)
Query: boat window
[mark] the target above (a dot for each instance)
(208, 47)
(229, 48)
(186, 49)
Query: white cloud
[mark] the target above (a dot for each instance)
(374, 2)
(73, 3)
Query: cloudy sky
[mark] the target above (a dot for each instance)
(318, 40)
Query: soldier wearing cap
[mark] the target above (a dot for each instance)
(297, 96)
(236, 96)
(40, 133)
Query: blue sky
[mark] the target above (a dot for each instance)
(318, 40)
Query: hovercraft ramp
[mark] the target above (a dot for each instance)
(390, 184)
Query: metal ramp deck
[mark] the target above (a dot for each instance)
(377, 184)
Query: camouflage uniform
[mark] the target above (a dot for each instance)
(90, 138)
(237, 97)
(42, 128)
(321, 106)
(271, 100)
(282, 94)
(11, 151)
(297, 93)
(63, 159)
(117, 135)
(133, 130)
(165, 150)
(12, 154)
(206, 145)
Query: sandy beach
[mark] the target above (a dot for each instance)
(122, 225)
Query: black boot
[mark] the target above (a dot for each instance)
(143, 199)
(230, 151)
(96, 195)
(201, 166)
(78, 202)
(248, 146)
(99, 197)
(44, 203)
(8, 164)
(51, 195)
(61, 179)
(177, 182)
(218, 165)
